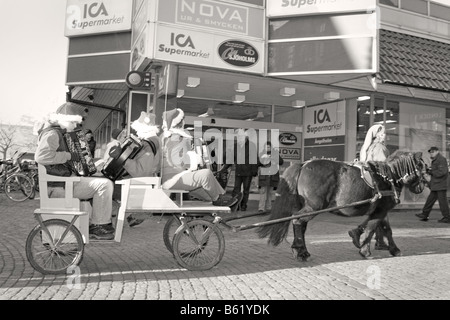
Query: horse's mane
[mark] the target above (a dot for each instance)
(398, 165)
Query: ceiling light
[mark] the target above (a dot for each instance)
(331, 95)
(287, 92)
(180, 93)
(242, 87)
(193, 82)
(363, 98)
(298, 103)
(238, 98)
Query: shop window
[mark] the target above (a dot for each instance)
(392, 3)
(418, 6)
(439, 11)
(363, 121)
(288, 115)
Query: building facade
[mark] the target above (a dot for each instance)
(320, 72)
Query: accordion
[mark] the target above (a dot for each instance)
(76, 142)
(113, 168)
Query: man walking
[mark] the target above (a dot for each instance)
(438, 186)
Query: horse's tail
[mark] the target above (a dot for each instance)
(286, 202)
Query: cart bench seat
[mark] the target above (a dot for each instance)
(145, 195)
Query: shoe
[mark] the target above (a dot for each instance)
(101, 232)
(132, 222)
(261, 211)
(422, 216)
(444, 220)
(244, 208)
(222, 201)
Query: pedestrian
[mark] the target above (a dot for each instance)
(269, 176)
(90, 141)
(438, 186)
(180, 164)
(53, 154)
(246, 166)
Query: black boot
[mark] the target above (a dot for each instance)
(355, 234)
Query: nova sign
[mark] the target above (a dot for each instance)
(212, 14)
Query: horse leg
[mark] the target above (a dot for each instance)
(380, 233)
(369, 231)
(387, 231)
(298, 246)
(356, 233)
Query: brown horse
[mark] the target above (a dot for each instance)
(322, 184)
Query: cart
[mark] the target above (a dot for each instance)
(193, 234)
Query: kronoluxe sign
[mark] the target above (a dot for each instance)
(277, 8)
(238, 53)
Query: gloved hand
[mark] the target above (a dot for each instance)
(115, 152)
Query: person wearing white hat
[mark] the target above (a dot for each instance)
(373, 149)
(147, 162)
(52, 152)
(180, 162)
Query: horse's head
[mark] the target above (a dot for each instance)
(416, 181)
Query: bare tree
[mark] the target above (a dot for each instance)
(7, 141)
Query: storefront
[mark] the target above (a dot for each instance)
(320, 74)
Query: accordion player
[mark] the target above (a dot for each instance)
(114, 169)
(76, 142)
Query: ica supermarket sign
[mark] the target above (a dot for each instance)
(276, 8)
(89, 17)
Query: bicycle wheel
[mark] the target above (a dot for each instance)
(19, 187)
(199, 246)
(53, 255)
(35, 178)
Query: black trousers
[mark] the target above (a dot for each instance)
(441, 196)
(246, 182)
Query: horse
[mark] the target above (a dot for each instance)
(320, 184)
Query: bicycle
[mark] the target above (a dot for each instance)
(16, 185)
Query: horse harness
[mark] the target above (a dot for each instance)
(367, 175)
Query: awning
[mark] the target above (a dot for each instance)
(415, 62)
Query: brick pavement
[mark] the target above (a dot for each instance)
(141, 268)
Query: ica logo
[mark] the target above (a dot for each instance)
(320, 116)
(181, 40)
(93, 10)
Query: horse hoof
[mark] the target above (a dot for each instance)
(396, 252)
(365, 252)
(355, 238)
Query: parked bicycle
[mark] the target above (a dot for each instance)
(17, 184)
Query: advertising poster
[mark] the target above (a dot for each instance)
(324, 132)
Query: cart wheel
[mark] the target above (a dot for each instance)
(67, 250)
(199, 246)
(170, 227)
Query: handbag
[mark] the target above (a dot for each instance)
(61, 170)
